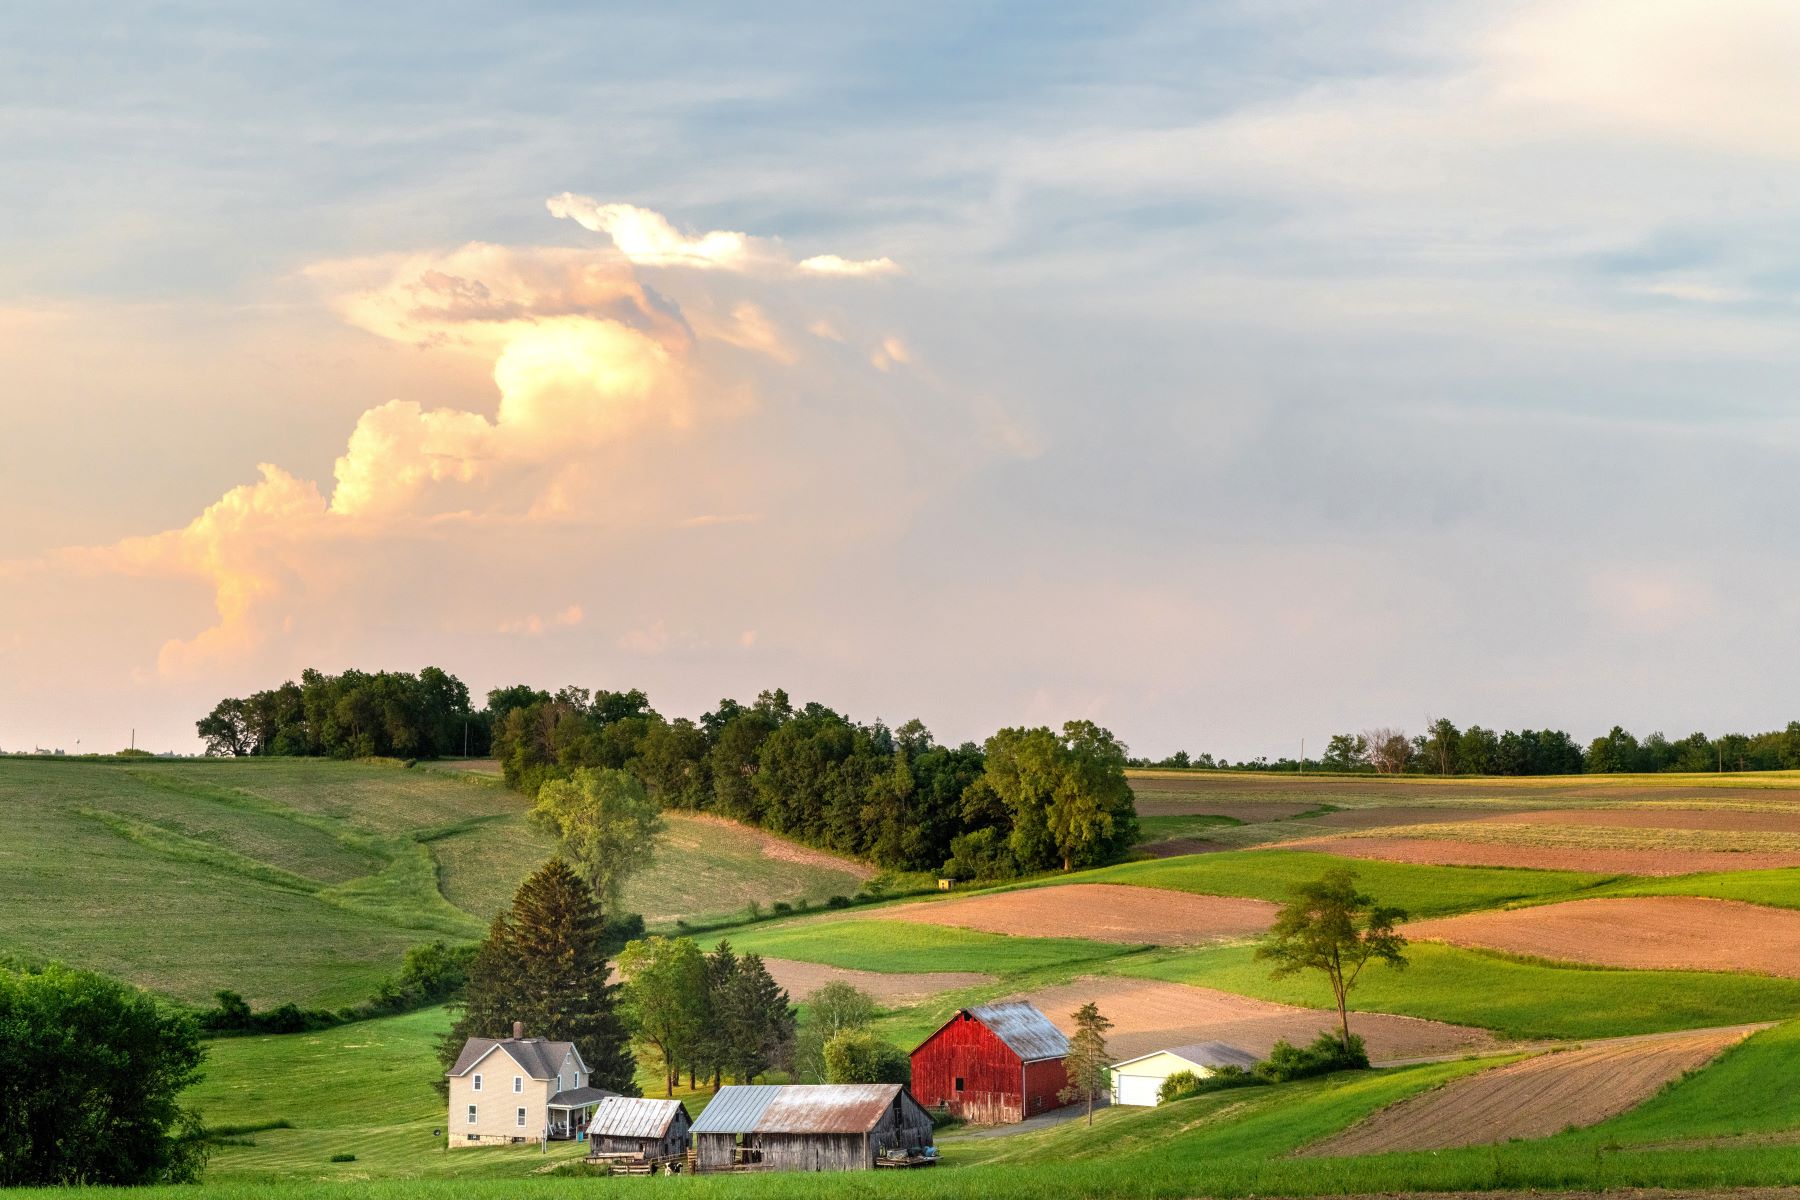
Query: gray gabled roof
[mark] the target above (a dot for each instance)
(579, 1097)
(1203, 1054)
(736, 1108)
(1026, 1031)
(632, 1117)
(539, 1058)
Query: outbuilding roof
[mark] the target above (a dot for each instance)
(632, 1117)
(541, 1059)
(798, 1108)
(1202, 1054)
(736, 1108)
(1026, 1031)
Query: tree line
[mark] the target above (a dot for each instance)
(1443, 749)
(1028, 800)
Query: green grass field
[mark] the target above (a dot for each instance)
(1514, 997)
(306, 880)
(875, 945)
(1423, 891)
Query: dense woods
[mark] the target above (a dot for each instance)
(1443, 749)
(1029, 800)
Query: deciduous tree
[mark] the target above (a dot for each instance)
(1332, 928)
(608, 825)
(665, 1000)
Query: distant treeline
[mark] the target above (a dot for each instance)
(1443, 749)
(1028, 800)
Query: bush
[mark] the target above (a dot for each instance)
(348, 1157)
(1325, 1055)
(838, 902)
(858, 1056)
(781, 908)
(1185, 1084)
(429, 975)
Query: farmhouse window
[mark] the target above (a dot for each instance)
(959, 1083)
(578, 1079)
(478, 1083)
(521, 1120)
(471, 1114)
(518, 1083)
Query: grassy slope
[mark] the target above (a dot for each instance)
(1515, 997)
(301, 879)
(873, 945)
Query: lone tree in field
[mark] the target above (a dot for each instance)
(608, 825)
(1087, 1060)
(544, 964)
(1331, 927)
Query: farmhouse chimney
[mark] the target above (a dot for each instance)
(518, 1029)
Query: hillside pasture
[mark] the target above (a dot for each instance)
(1104, 912)
(906, 947)
(1151, 1015)
(1658, 932)
(1535, 1097)
(1515, 998)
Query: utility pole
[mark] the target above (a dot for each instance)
(1302, 770)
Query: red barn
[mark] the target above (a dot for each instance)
(993, 1064)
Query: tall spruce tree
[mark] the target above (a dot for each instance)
(544, 964)
(756, 1019)
(1088, 1058)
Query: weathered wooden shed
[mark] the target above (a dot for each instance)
(993, 1064)
(633, 1127)
(808, 1127)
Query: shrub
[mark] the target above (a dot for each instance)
(838, 902)
(348, 1157)
(1325, 1055)
(1178, 1086)
(858, 1056)
(1184, 1084)
(781, 908)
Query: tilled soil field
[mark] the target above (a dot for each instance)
(1725, 820)
(802, 979)
(1534, 1098)
(1445, 852)
(1149, 1014)
(1690, 933)
(1103, 912)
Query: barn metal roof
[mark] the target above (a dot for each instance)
(736, 1107)
(1027, 1032)
(632, 1117)
(797, 1108)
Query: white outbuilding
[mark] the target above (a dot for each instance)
(1138, 1080)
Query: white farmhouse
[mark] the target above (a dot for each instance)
(519, 1089)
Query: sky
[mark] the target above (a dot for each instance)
(1226, 373)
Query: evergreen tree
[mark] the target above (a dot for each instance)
(1088, 1059)
(544, 965)
(714, 1047)
(755, 1020)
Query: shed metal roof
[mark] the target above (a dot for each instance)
(633, 1117)
(736, 1107)
(1026, 1031)
(827, 1108)
(797, 1108)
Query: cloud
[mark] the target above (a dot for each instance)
(534, 625)
(650, 239)
(891, 353)
(831, 264)
(610, 404)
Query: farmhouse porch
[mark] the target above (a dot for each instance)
(570, 1111)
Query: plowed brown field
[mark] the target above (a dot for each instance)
(1450, 853)
(1105, 912)
(1659, 932)
(802, 979)
(1724, 820)
(1149, 1014)
(1534, 1098)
